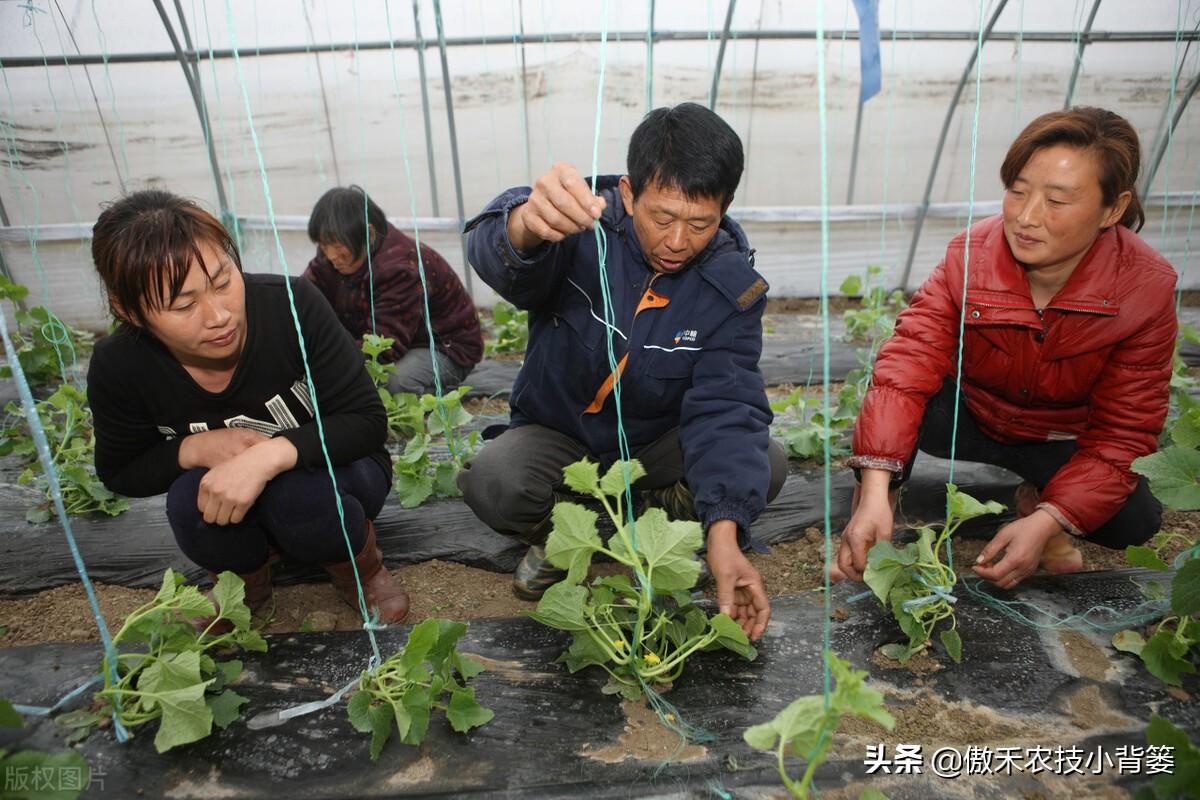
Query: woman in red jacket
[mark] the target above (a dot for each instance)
(1068, 337)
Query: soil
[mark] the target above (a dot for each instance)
(454, 591)
(644, 740)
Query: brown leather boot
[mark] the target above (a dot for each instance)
(259, 594)
(379, 587)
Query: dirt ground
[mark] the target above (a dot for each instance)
(445, 589)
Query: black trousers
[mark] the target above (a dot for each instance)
(510, 484)
(296, 513)
(1036, 462)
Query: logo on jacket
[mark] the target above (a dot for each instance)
(685, 336)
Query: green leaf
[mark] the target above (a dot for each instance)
(562, 607)
(1186, 432)
(731, 636)
(417, 702)
(1163, 658)
(1184, 779)
(445, 479)
(572, 540)
(421, 640)
(964, 507)
(669, 548)
(412, 490)
(381, 718)
(9, 718)
(1129, 642)
(358, 710)
(230, 594)
(1185, 589)
(613, 482)
(228, 671)
(1145, 557)
(852, 286)
(885, 566)
(583, 652)
(225, 707)
(953, 644)
(468, 666)
(465, 713)
(1174, 476)
(763, 736)
(583, 477)
(185, 717)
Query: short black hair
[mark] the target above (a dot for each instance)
(688, 148)
(338, 217)
(145, 243)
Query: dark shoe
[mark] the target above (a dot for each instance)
(259, 594)
(383, 595)
(676, 500)
(535, 574)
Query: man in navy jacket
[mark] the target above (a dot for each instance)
(687, 336)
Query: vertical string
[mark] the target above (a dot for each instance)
(546, 72)
(232, 224)
(962, 318)
(123, 175)
(362, 161)
(1166, 170)
(826, 474)
(370, 624)
(1020, 44)
(412, 201)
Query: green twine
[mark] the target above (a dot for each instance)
(412, 199)
(546, 72)
(43, 450)
(1166, 171)
(362, 161)
(827, 479)
(370, 621)
(123, 177)
(1020, 44)
(231, 223)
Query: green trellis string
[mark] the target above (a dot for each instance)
(370, 621)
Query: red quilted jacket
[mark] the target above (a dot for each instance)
(1096, 369)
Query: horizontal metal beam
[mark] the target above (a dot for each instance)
(657, 36)
(71, 231)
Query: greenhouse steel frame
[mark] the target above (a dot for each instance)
(189, 58)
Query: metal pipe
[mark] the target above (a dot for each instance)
(1161, 150)
(767, 215)
(1079, 54)
(433, 191)
(657, 36)
(650, 60)
(458, 197)
(854, 153)
(524, 98)
(337, 171)
(716, 78)
(201, 109)
(937, 153)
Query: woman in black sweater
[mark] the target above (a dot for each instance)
(203, 393)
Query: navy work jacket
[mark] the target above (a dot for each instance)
(687, 345)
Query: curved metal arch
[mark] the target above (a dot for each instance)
(941, 145)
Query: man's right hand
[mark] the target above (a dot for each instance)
(871, 522)
(215, 447)
(561, 205)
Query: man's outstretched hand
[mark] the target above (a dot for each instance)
(561, 205)
(740, 590)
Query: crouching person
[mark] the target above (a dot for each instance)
(687, 336)
(202, 393)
